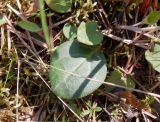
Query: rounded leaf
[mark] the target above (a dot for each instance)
(87, 33)
(153, 57)
(71, 58)
(60, 6)
(70, 31)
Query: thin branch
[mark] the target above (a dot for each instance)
(137, 29)
(140, 30)
(63, 21)
(108, 34)
(17, 87)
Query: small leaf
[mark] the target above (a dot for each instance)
(29, 26)
(89, 103)
(2, 21)
(71, 58)
(152, 18)
(98, 109)
(153, 57)
(60, 6)
(74, 107)
(117, 78)
(87, 33)
(70, 31)
(85, 112)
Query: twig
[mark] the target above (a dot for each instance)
(155, 86)
(2, 38)
(19, 5)
(137, 24)
(100, 5)
(21, 39)
(8, 40)
(126, 41)
(136, 61)
(149, 114)
(16, 32)
(103, 11)
(16, 12)
(17, 90)
(63, 21)
(36, 41)
(33, 47)
(64, 103)
(23, 18)
(140, 30)
(9, 70)
(137, 29)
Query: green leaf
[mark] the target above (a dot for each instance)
(70, 31)
(60, 6)
(29, 26)
(85, 112)
(2, 21)
(153, 57)
(74, 106)
(76, 58)
(152, 18)
(87, 33)
(98, 109)
(117, 78)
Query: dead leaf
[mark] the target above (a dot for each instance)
(131, 100)
(33, 8)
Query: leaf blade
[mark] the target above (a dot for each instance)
(153, 57)
(87, 33)
(152, 18)
(79, 59)
(60, 6)
(29, 26)
(117, 78)
(70, 31)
